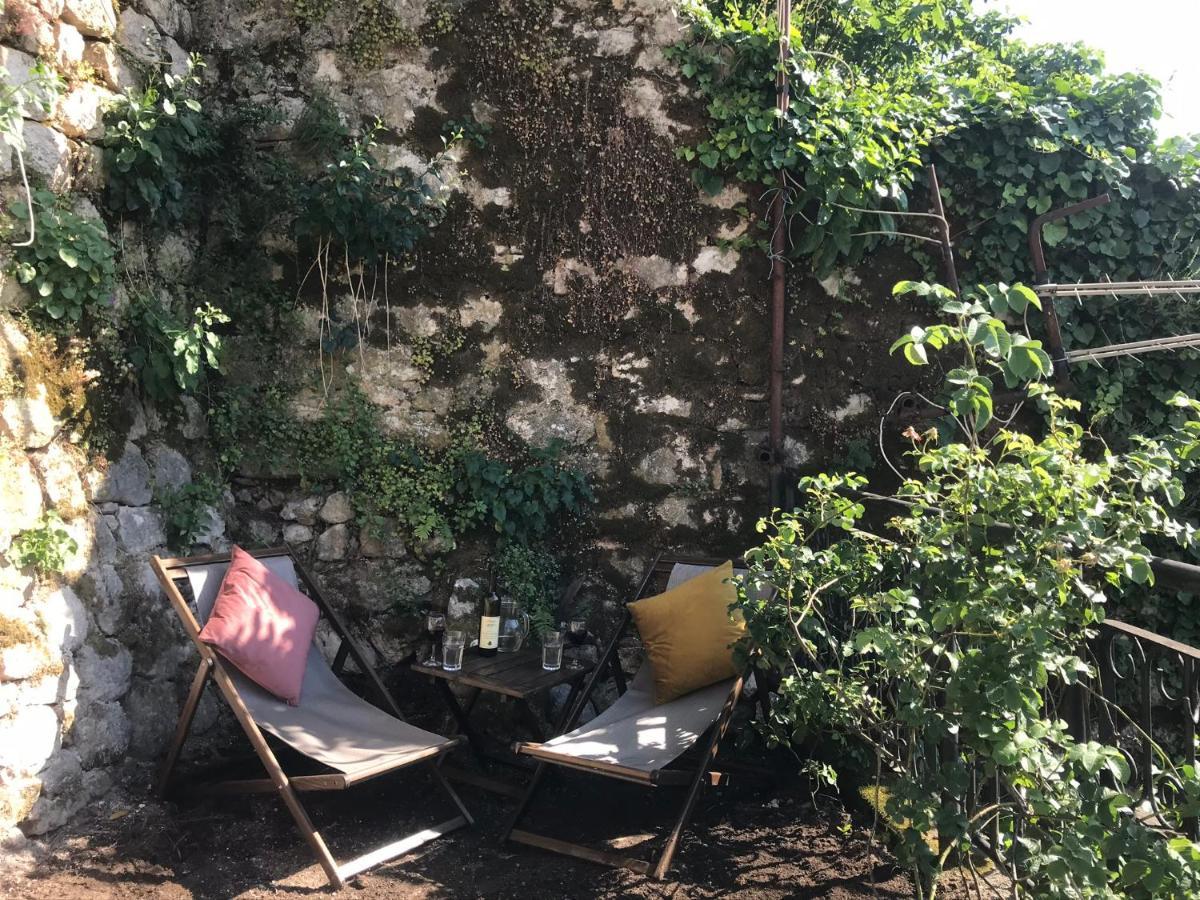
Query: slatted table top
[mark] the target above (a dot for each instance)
(517, 674)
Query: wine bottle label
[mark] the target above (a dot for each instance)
(489, 632)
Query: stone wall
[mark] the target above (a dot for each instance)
(595, 290)
(92, 663)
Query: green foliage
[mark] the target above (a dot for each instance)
(311, 12)
(426, 493)
(522, 504)
(375, 30)
(874, 83)
(46, 548)
(19, 101)
(372, 213)
(1064, 131)
(469, 129)
(69, 267)
(172, 356)
(530, 575)
(152, 139)
(927, 654)
(188, 510)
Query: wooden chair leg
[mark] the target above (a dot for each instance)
(707, 759)
(534, 783)
(440, 777)
(186, 715)
(310, 834)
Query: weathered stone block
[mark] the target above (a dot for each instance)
(20, 72)
(299, 534)
(105, 668)
(302, 511)
(337, 509)
(334, 543)
(29, 419)
(59, 467)
(116, 74)
(126, 481)
(81, 112)
(140, 529)
(29, 738)
(171, 16)
(168, 467)
(68, 46)
(64, 619)
(95, 18)
(101, 733)
(20, 494)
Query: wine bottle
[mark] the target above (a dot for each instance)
(489, 626)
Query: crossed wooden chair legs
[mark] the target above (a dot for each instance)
(288, 787)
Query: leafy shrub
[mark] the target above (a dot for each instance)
(152, 140)
(169, 355)
(929, 655)
(530, 575)
(188, 510)
(69, 265)
(522, 504)
(358, 205)
(440, 493)
(46, 548)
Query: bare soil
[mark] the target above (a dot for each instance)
(742, 844)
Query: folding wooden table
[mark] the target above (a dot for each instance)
(519, 676)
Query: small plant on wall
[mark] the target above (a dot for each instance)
(151, 140)
(362, 219)
(46, 548)
(69, 267)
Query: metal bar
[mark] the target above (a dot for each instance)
(935, 202)
(778, 266)
(1107, 288)
(1136, 348)
(1035, 230)
(1062, 368)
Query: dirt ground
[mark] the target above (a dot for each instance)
(743, 843)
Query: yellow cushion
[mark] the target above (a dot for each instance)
(688, 632)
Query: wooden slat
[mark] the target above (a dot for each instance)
(357, 866)
(518, 675)
(486, 782)
(616, 860)
(625, 773)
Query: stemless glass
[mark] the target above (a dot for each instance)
(435, 627)
(552, 647)
(452, 650)
(577, 633)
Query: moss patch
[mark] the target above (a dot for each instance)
(14, 632)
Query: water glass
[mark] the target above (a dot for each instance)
(552, 647)
(452, 650)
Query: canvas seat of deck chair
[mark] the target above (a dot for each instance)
(636, 740)
(349, 737)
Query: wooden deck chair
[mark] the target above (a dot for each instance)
(353, 739)
(634, 740)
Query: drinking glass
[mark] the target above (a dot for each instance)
(452, 650)
(435, 627)
(577, 633)
(552, 647)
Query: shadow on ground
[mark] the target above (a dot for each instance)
(742, 844)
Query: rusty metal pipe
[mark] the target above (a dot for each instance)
(778, 280)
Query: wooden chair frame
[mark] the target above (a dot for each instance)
(701, 774)
(212, 668)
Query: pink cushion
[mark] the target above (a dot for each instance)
(262, 625)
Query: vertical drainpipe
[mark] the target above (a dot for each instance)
(778, 286)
